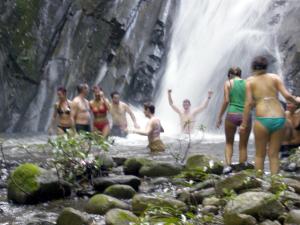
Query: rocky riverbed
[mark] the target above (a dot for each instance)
(141, 187)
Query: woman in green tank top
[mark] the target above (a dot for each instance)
(234, 100)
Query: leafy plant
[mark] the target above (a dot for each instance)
(198, 174)
(180, 154)
(73, 157)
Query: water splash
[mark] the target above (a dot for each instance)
(208, 38)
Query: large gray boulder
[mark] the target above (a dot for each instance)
(205, 162)
(140, 203)
(72, 216)
(120, 217)
(101, 204)
(101, 183)
(260, 205)
(30, 184)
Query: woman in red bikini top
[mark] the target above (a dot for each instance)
(100, 107)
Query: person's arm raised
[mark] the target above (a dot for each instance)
(224, 104)
(174, 107)
(200, 108)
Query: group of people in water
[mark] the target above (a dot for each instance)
(273, 127)
(83, 115)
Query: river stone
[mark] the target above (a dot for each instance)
(213, 201)
(292, 183)
(132, 166)
(270, 222)
(237, 182)
(120, 191)
(160, 169)
(101, 204)
(120, 217)
(72, 216)
(293, 217)
(196, 197)
(30, 184)
(243, 219)
(260, 205)
(106, 160)
(205, 162)
(140, 202)
(101, 183)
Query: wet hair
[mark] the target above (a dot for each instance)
(114, 93)
(80, 87)
(150, 106)
(259, 63)
(62, 90)
(96, 88)
(186, 100)
(234, 71)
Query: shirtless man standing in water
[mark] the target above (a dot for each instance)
(81, 109)
(153, 129)
(188, 116)
(118, 112)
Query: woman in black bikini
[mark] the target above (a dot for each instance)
(62, 118)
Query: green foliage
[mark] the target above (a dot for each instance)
(198, 174)
(277, 186)
(73, 156)
(229, 194)
(181, 152)
(24, 176)
(171, 216)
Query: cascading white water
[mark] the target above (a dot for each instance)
(208, 38)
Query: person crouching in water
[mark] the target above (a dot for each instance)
(62, 118)
(234, 100)
(100, 107)
(292, 130)
(153, 129)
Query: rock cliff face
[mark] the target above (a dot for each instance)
(289, 45)
(121, 45)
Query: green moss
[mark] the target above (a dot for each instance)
(24, 176)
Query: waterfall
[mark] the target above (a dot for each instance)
(208, 38)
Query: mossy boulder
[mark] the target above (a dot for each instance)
(101, 204)
(261, 205)
(237, 182)
(120, 191)
(206, 163)
(29, 184)
(72, 216)
(160, 169)
(120, 217)
(141, 202)
(132, 166)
